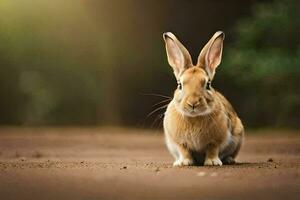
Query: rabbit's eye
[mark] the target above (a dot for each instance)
(208, 87)
(179, 86)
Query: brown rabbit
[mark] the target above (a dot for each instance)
(200, 125)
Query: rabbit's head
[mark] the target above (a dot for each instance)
(194, 95)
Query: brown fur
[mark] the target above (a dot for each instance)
(200, 122)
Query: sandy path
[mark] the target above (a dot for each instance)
(73, 163)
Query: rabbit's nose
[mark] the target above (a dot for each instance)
(193, 105)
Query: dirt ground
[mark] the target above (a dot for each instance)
(98, 163)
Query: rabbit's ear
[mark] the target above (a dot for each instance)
(178, 56)
(211, 54)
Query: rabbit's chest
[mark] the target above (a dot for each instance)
(193, 140)
(196, 134)
(199, 139)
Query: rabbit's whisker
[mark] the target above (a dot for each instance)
(156, 95)
(163, 101)
(161, 115)
(158, 117)
(155, 110)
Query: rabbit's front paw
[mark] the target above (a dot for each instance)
(183, 162)
(213, 162)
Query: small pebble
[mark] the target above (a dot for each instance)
(156, 169)
(214, 174)
(270, 160)
(201, 174)
(23, 159)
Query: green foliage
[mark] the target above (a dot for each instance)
(264, 65)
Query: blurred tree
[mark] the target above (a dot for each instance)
(47, 76)
(263, 65)
(87, 62)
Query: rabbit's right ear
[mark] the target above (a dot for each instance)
(178, 56)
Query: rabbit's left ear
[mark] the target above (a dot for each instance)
(211, 55)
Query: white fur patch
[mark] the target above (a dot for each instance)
(227, 141)
(172, 147)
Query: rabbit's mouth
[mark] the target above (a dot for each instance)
(197, 112)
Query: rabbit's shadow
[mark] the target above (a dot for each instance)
(199, 161)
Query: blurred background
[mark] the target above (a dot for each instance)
(93, 62)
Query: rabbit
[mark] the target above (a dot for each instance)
(200, 125)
